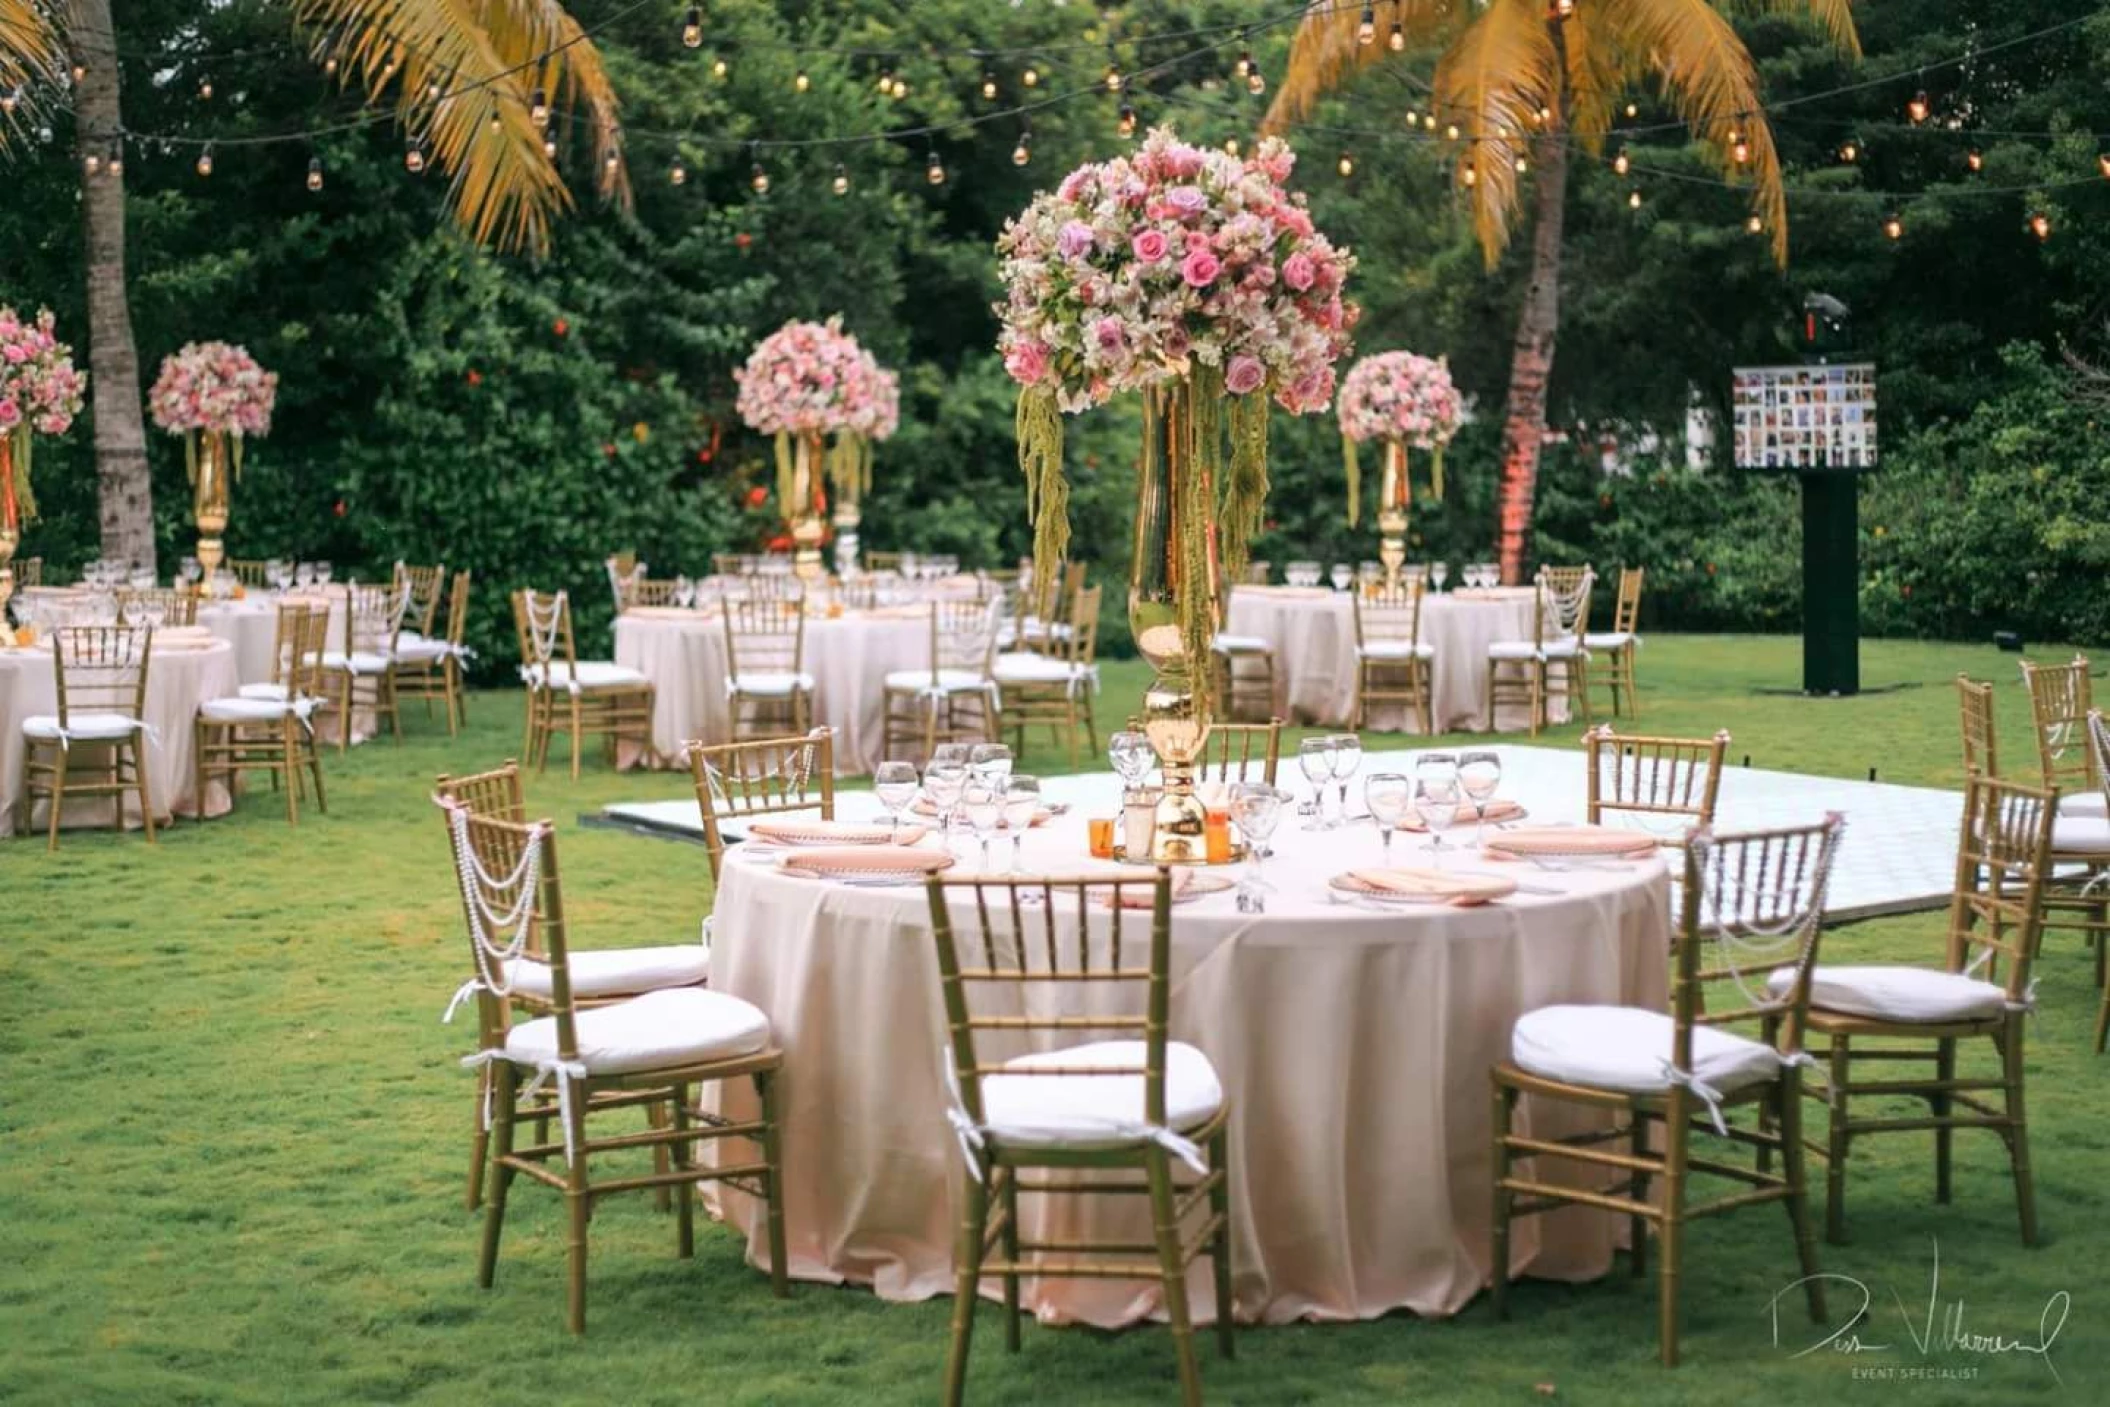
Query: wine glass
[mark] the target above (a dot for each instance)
(991, 762)
(1257, 807)
(187, 570)
(1480, 773)
(1341, 575)
(1436, 796)
(894, 783)
(1347, 756)
(1131, 755)
(322, 573)
(684, 592)
(1387, 794)
(1021, 807)
(983, 801)
(1315, 760)
(1438, 571)
(943, 781)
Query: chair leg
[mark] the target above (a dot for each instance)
(1836, 1144)
(1498, 1285)
(2102, 1022)
(1637, 1226)
(58, 794)
(287, 742)
(1944, 1072)
(344, 714)
(1220, 1244)
(662, 1158)
(1008, 1240)
(505, 1094)
(1794, 1167)
(136, 749)
(576, 706)
(479, 1138)
(2017, 1131)
(1158, 1165)
(579, 1205)
(773, 1159)
(307, 741)
(527, 732)
(974, 1223)
(684, 1159)
(200, 734)
(1677, 1130)
(1494, 670)
(1633, 681)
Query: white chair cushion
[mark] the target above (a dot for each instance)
(951, 681)
(241, 710)
(1095, 1111)
(1897, 993)
(1609, 640)
(411, 637)
(2080, 835)
(1242, 645)
(1628, 1048)
(766, 685)
(1396, 650)
(1034, 669)
(592, 674)
(276, 692)
(657, 1031)
(1568, 647)
(616, 972)
(362, 661)
(420, 649)
(2084, 803)
(88, 727)
(1525, 650)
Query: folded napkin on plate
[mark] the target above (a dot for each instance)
(1143, 896)
(1607, 841)
(1497, 810)
(782, 832)
(866, 859)
(1437, 886)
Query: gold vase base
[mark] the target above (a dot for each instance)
(1239, 852)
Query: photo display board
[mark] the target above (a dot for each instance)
(1805, 417)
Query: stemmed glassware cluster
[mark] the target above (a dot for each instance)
(1436, 797)
(1333, 758)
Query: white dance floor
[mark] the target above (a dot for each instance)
(1899, 853)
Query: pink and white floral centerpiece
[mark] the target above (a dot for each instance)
(214, 395)
(1398, 399)
(803, 383)
(40, 394)
(1197, 279)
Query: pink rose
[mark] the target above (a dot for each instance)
(1201, 268)
(1299, 272)
(1187, 200)
(10, 414)
(1027, 362)
(1150, 246)
(1110, 335)
(1075, 241)
(1244, 374)
(1183, 162)
(16, 353)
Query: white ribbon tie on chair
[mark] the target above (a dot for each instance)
(972, 1138)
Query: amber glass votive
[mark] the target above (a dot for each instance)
(1101, 830)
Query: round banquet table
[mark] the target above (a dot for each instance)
(1313, 631)
(682, 651)
(251, 625)
(1353, 1045)
(182, 674)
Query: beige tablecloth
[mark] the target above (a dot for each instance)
(178, 680)
(849, 657)
(1353, 1045)
(251, 626)
(1313, 632)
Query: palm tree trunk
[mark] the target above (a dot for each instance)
(126, 486)
(1531, 360)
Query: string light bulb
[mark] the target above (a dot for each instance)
(841, 184)
(1429, 121)
(759, 179)
(1754, 225)
(1850, 151)
(1256, 81)
(900, 89)
(10, 100)
(432, 89)
(1244, 67)
(1450, 133)
(720, 68)
(934, 169)
(1633, 198)
(2102, 164)
(677, 174)
(1366, 27)
(1127, 121)
(1231, 146)
(1397, 40)
(1893, 227)
(538, 108)
(1113, 77)
(1975, 159)
(611, 163)
(800, 82)
(414, 157)
(1522, 164)
(549, 141)
(329, 66)
(2040, 225)
(886, 82)
(692, 28)
(1023, 152)
(205, 91)
(1621, 162)
(388, 69)
(1739, 148)
(494, 123)
(205, 162)
(1468, 174)
(1031, 77)
(92, 163)
(1564, 9)
(80, 70)
(988, 86)
(1633, 110)
(314, 174)
(1346, 165)
(1918, 108)
(1545, 114)
(115, 165)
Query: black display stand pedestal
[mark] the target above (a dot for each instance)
(1831, 583)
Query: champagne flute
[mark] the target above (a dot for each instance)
(983, 801)
(1021, 807)
(1387, 794)
(894, 783)
(1315, 760)
(1480, 773)
(1347, 756)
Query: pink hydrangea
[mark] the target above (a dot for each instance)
(1398, 395)
(810, 378)
(213, 386)
(39, 385)
(1135, 270)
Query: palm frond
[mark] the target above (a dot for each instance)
(29, 51)
(1833, 18)
(1325, 51)
(1598, 73)
(1493, 80)
(1713, 84)
(464, 73)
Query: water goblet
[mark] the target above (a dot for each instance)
(943, 781)
(991, 762)
(1436, 796)
(1388, 795)
(188, 570)
(1341, 575)
(684, 592)
(1480, 774)
(1021, 807)
(983, 801)
(894, 783)
(1131, 755)
(322, 573)
(1347, 756)
(1315, 760)
(1438, 571)
(1257, 807)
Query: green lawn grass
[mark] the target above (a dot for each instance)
(233, 1130)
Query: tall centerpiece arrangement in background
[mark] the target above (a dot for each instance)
(805, 382)
(215, 396)
(1196, 279)
(1400, 400)
(40, 393)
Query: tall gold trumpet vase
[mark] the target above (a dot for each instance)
(10, 521)
(1162, 577)
(802, 508)
(1394, 498)
(212, 487)
(847, 517)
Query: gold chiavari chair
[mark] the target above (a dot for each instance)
(360, 674)
(1659, 1079)
(1257, 573)
(1393, 664)
(882, 561)
(29, 572)
(423, 589)
(1676, 779)
(1620, 647)
(248, 571)
(652, 1051)
(762, 777)
(1560, 620)
(1051, 610)
(956, 697)
(1918, 1016)
(1244, 668)
(598, 975)
(734, 563)
(642, 590)
(1240, 752)
(1056, 688)
(1981, 735)
(767, 687)
(2061, 698)
(1098, 1090)
(429, 667)
(178, 606)
(100, 675)
(624, 574)
(773, 586)
(250, 734)
(566, 694)
(2099, 740)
